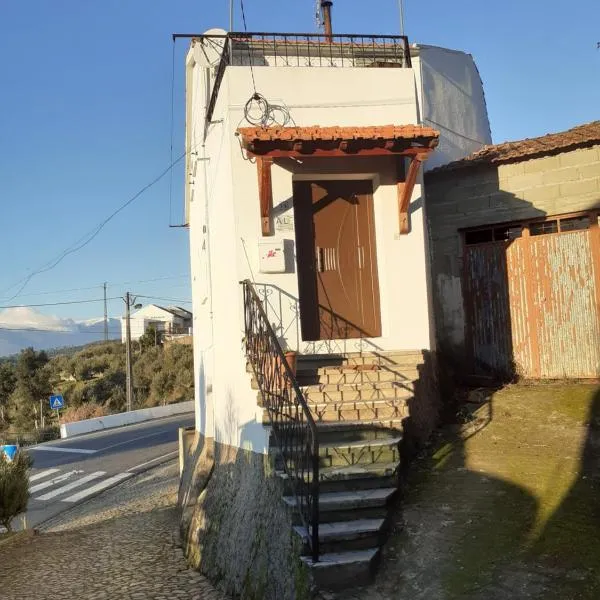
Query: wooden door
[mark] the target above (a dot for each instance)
(337, 263)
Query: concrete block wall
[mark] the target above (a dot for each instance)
(564, 183)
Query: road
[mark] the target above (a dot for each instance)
(67, 472)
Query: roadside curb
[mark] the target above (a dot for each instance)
(42, 526)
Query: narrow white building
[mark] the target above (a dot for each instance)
(304, 180)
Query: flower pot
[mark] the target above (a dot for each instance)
(291, 358)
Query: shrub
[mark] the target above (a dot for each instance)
(80, 413)
(14, 487)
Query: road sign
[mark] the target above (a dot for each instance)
(9, 451)
(57, 402)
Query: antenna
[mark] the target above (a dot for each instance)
(401, 7)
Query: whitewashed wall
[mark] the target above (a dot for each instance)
(452, 100)
(224, 218)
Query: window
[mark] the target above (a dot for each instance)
(543, 227)
(505, 234)
(575, 223)
(479, 236)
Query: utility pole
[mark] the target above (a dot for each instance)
(129, 302)
(105, 316)
(230, 16)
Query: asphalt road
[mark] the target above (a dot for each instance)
(68, 472)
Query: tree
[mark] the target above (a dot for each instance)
(151, 337)
(32, 384)
(7, 387)
(14, 487)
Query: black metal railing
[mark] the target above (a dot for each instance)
(301, 50)
(293, 426)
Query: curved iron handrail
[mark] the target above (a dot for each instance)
(292, 422)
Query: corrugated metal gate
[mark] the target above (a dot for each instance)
(532, 297)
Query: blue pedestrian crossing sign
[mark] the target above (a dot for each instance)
(57, 402)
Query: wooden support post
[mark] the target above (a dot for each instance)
(265, 193)
(405, 186)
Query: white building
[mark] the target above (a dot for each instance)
(303, 178)
(167, 320)
(442, 89)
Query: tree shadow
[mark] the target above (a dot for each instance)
(569, 545)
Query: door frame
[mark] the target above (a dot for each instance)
(374, 178)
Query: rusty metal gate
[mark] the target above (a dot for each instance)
(532, 297)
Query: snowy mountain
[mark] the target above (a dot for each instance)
(23, 327)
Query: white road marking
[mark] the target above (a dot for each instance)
(71, 486)
(43, 474)
(135, 439)
(153, 460)
(98, 487)
(61, 449)
(47, 484)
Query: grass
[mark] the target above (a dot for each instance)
(510, 505)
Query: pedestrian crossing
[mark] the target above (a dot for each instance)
(70, 486)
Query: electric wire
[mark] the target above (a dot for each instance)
(57, 303)
(248, 46)
(109, 285)
(92, 233)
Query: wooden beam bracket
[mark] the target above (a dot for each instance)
(405, 187)
(265, 193)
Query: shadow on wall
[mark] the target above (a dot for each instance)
(489, 261)
(279, 305)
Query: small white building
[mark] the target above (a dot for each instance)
(167, 320)
(308, 234)
(238, 231)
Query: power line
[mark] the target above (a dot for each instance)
(249, 45)
(95, 287)
(166, 299)
(92, 233)
(57, 303)
(36, 330)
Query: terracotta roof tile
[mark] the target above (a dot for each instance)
(387, 132)
(553, 143)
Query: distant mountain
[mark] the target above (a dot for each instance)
(23, 327)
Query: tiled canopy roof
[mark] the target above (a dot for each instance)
(383, 132)
(338, 141)
(546, 145)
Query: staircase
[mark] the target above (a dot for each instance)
(359, 403)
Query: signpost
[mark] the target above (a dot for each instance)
(56, 403)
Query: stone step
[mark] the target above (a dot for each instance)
(354, 411)
(338, 570)
(402, 386)
(349, 478)
(353, 392)
(337, 376)
(344, 506)
(348, 453)
(397, 357)
(341, 536)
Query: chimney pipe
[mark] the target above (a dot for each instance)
(326, 8)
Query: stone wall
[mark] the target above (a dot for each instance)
(552, 185)
(235, 527)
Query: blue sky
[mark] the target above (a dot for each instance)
(85, 118)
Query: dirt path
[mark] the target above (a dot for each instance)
(508, 508)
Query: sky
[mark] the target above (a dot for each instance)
(86, 93)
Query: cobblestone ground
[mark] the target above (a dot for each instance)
(121, 545)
